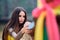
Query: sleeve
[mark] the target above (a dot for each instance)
(14, 34)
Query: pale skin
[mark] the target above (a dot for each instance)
(21, 20)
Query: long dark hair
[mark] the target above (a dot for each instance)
(14, 21)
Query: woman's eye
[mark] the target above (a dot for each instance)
(24, 16)
(19, 15)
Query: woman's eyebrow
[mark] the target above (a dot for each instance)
(19, 15)
(23, 16)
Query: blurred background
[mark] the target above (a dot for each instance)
(7, 6)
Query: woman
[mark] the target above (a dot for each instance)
(17, 27)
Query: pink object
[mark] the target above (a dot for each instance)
(49, 27)
(53, 34)
(52, 4)
(36, 12)
(52, 27)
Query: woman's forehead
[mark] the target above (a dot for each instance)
(22, 13)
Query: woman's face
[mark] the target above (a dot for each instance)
(21, 17)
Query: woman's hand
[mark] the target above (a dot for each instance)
(25, 28)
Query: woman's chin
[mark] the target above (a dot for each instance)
(21, 22)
